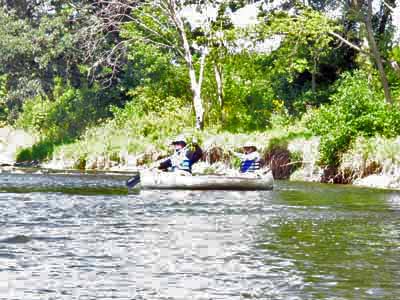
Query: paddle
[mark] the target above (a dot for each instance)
(132, 182)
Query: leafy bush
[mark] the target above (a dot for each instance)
(247, 95)
(145, 124)
(151, 117)
(38, 151)
(357, 109)
(24, 155)
(67, 115)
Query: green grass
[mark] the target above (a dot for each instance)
(114, 142)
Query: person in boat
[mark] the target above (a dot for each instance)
(183, 158)
(250, 159)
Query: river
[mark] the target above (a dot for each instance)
(75, 236)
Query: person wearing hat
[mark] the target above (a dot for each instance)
(250, 158)
(183, 158)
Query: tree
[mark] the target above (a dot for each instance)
(360, 11)
(358, 21)
(222, 38)
(305, 41)
(34, 49)
(163, 24)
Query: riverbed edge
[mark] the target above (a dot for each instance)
(295, 158)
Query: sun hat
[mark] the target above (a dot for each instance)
(179, 139)
(249, 144)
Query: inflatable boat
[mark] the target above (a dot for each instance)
(164, 180)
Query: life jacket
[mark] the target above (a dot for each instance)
(250, 163)
(181, 161)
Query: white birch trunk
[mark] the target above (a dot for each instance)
(195, 84)
(218, 80)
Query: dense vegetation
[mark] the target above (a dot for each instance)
(109, 77)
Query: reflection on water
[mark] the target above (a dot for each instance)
(300, 241)
(345, 242)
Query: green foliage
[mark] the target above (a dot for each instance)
(307, 60)
(37, 152)
(151, 117)
(248, 96)
(3, 102)
(394, 75)
(147, 123)
(150, 67)
(34, 51)
(306, 40)
(68, 115)
(24, 155)
(357, 108)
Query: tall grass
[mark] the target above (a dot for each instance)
(148, 138)
(372, 156)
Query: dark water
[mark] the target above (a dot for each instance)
(83, 237)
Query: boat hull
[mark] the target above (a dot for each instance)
(159, 180)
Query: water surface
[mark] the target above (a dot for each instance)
(83, 237)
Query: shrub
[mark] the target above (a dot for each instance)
(38, 151)
(145, 124)
(24, 154)
(357, 109)
(42, 150)
(67, 115)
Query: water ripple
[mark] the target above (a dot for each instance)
(297, 242)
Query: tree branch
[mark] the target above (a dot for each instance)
(388, 6)
(348, 43)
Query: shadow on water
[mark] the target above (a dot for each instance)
(345, 241)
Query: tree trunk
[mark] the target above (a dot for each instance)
(313, 83)
(196, 90)
(376, 54)
(218, 80)
(197, 101)
(195, 84)
(313, 79)
(386, 7)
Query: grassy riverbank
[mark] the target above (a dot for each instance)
(107, 147)
(291, 151)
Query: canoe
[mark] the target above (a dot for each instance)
(163, 180)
